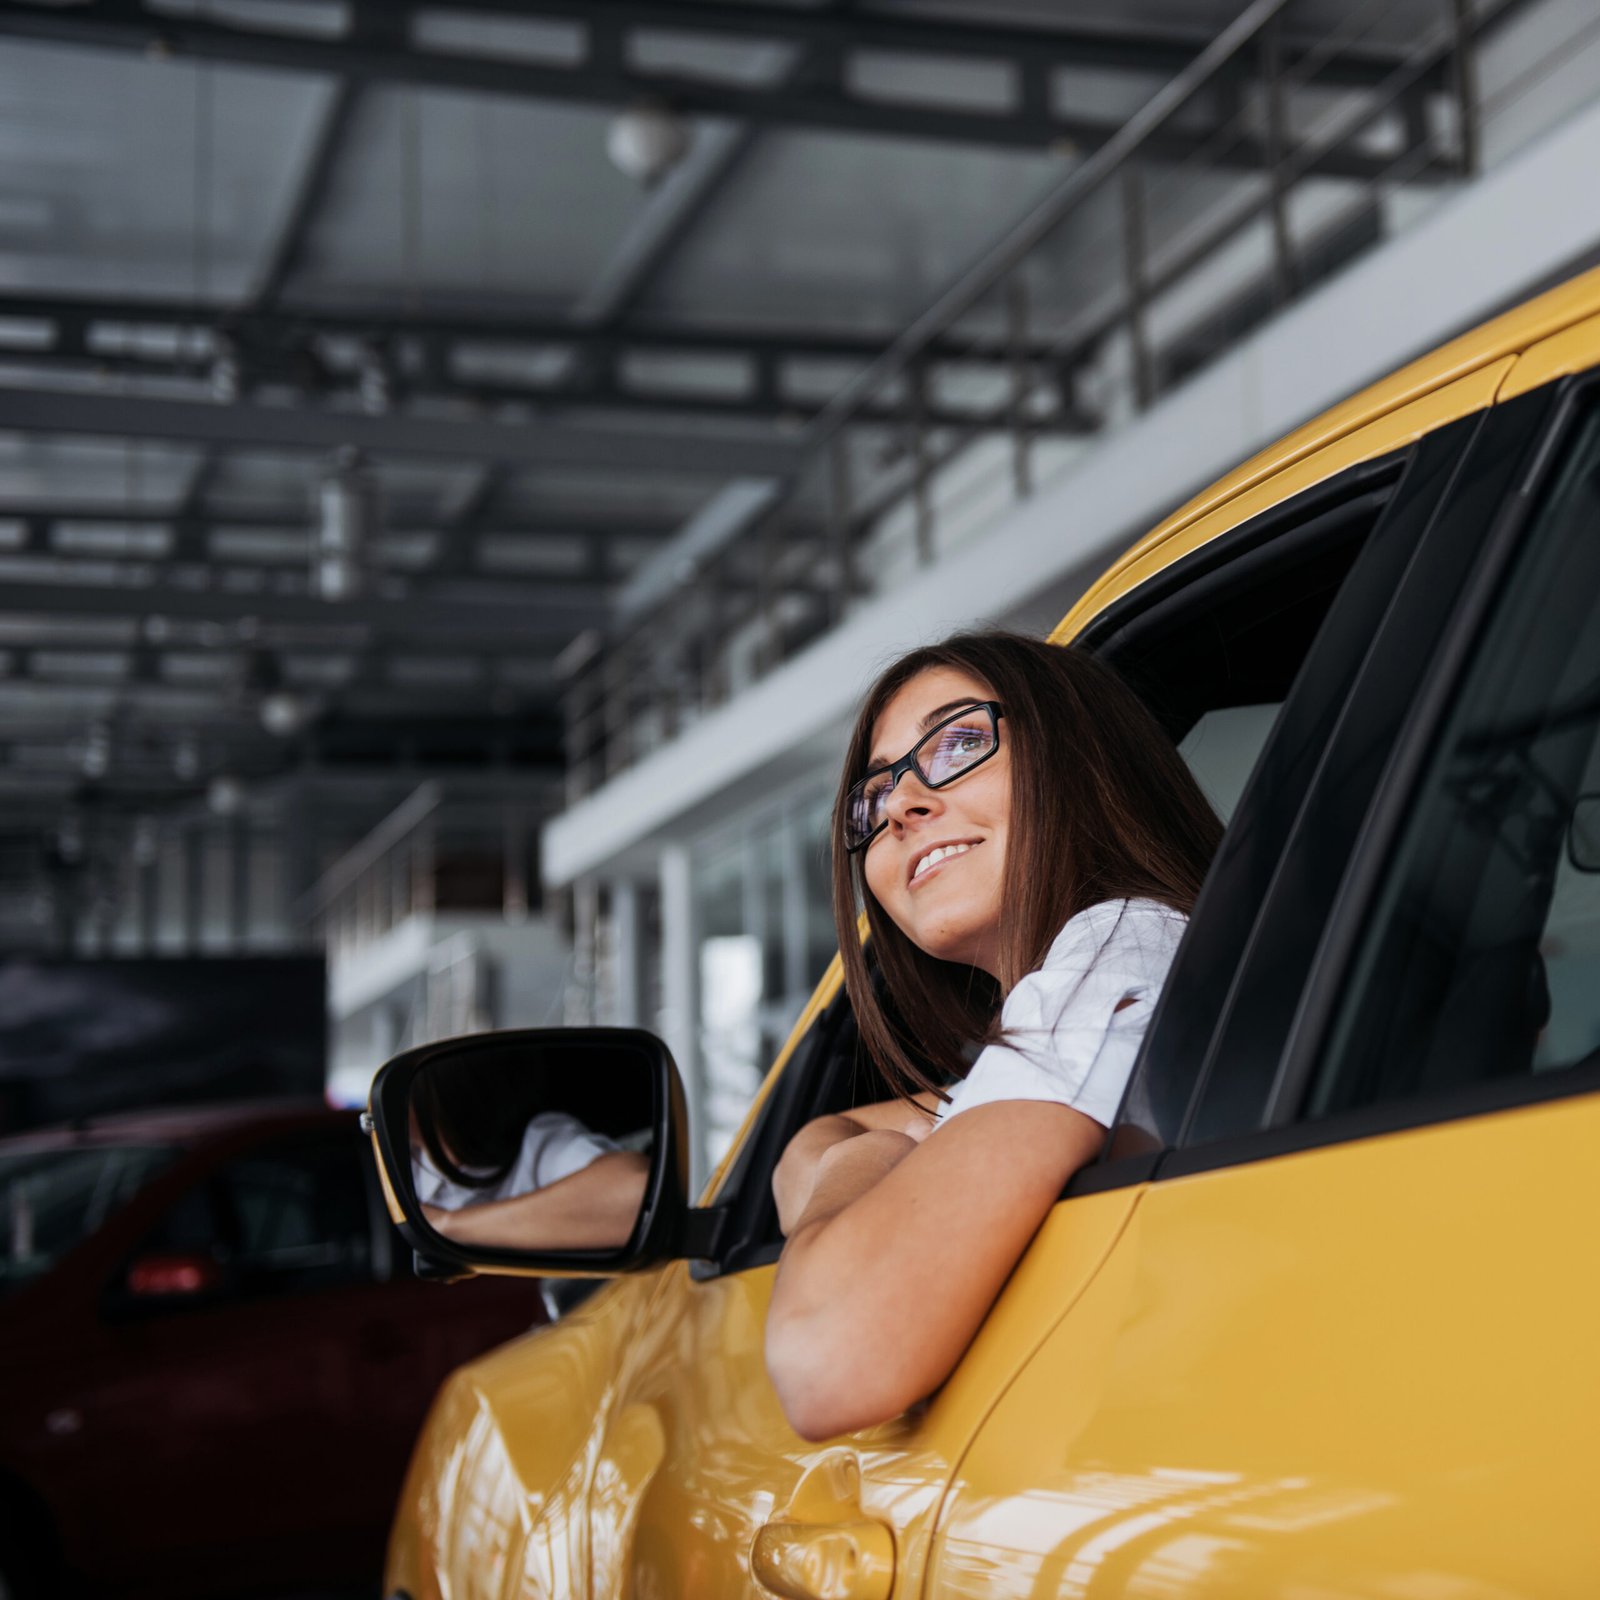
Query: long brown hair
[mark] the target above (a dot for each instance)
(1102, 808)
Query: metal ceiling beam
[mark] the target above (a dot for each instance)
(1060, 43)
(262, 330)
(628, 524)
(191, 527)
(241, 582)
(535, 443)
(762, 398)
(380, 48)
(522, 620)
(372, 669)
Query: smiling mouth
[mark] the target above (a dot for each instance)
(934, 858)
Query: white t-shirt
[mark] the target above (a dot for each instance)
(554, 1146)
(1065, 1040)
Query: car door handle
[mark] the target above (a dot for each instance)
(825, 1561)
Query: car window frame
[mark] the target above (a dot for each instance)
(1465, 553)
(808, 1082)
(1394, 490)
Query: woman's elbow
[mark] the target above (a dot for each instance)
(822, 1384)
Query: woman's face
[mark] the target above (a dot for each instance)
(951, 910)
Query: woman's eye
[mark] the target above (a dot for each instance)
(962, 742)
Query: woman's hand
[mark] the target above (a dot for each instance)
(796, 1174)
(845, 1171)
(797, 1169)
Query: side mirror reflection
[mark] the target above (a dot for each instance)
(536, 1145)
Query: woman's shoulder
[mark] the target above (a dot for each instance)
(1123, 926)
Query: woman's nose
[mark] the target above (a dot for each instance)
(910, 797)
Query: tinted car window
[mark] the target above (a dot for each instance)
(298, 1215)
(52, 1200)
(1482, 959)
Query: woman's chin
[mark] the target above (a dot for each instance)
(959, 944)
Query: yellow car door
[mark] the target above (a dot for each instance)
(1344, 1346)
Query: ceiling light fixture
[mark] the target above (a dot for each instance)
(346, 515)
(647, 141)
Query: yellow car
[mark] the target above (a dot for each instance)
(1318, 1323)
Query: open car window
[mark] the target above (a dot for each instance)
(1214, 654)
(1222, 749)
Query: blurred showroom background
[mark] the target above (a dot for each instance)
(459, 463)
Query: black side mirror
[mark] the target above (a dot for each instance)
(554, 1151)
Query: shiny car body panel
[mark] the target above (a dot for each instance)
(1355, 1329)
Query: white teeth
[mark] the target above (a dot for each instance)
(934, 857)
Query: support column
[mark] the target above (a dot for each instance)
(583, 990)
(239, 842)
(148, 869)
(680, 996)
(627, 921)
(194, 888)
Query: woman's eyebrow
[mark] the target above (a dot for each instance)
(875, 760)
(949, 708)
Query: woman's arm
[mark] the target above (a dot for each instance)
(796, 1172)
(900, 1252)
(588, 1209)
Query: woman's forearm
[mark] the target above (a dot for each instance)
(888, 1275)
(589, 1209)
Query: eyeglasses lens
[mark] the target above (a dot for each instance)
(949, 751)
(943, 756)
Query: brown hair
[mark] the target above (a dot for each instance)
(1102, 808)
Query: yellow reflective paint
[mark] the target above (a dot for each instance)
(1381, 1382)
(1575, 349)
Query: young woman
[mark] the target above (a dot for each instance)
(1027, 844)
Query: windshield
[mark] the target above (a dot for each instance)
(51, 1200)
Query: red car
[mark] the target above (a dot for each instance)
(214, 1355)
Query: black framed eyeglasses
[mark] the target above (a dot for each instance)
(947, 751)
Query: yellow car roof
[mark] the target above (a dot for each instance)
(1492, 341)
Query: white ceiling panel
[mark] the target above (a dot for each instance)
(831, 232)
(512, 201)
(268, 484)
(41, 471)
(129, 176)
(637, 497)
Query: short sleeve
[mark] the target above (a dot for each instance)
(1072, 1030)
(555, 1146)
